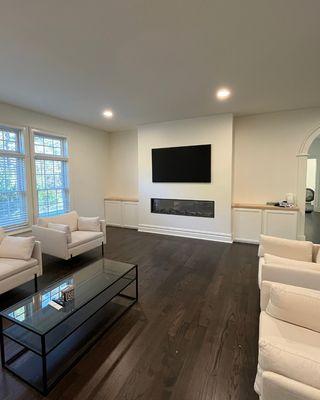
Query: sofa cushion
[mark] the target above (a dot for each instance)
(9, 266)
(293, 249)
(89, 224)
(289, 350)
(62, 228)
(17, 247)
(81, 237)
(275, 260)
(295, 305)
(70, 219)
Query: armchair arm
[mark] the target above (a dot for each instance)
(53, 242)
(304, 277)
(37, 254)
(103, 229)
(265, 294)
(278, 387)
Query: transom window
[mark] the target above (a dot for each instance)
(13, 192)
(51, 174)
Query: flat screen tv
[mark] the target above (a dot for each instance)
(182, 164)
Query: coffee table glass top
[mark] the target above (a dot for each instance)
(35, 313)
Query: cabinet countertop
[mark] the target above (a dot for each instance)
(263, 207)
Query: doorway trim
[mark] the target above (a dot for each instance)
(302, 158)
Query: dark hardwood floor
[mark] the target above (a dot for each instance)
(312, 227)
(192, 336)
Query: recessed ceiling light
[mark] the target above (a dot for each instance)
(223, 93)
(107, 113)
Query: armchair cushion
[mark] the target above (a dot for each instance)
(89, 224)
(2, 234)
(293, 249)
(278, 387)
(17, 247)
(62, 228)
(287, 262)
(295, 305)
(70, 219)
(289, 350)
(80, 237)
(9, 266)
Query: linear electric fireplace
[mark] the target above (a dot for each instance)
(192, 208)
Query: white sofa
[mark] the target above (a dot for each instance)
(290, 262)
(289, 343)
(55, 242)
(14, 272)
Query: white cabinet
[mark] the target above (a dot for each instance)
(249, 223)
(113, 213)
(280, 223)
(121, 213)
(130, 214)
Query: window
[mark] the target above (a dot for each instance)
(51, 174)
(13, 193)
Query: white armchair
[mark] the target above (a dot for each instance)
(15, 271)
(291, 262)
(289, 337)
(67, 244)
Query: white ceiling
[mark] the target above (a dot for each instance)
(158, 60)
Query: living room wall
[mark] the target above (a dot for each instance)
(87, 155)
(123, 165)
(215, 130)
(264, 156)
(265, 149)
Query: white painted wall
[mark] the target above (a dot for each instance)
(87, 155)
(265, 149)
(216, 131)
(123, 164)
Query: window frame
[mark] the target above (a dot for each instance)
(24, 154)
(35, 156)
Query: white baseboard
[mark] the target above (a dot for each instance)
(301, 237)
(190, 233)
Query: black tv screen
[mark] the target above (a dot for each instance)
(182, 164)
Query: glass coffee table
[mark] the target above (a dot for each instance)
(39, 343)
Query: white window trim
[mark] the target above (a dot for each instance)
(26, 157)
(34, 156)
(29, 157)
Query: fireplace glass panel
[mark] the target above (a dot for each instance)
(193, 208)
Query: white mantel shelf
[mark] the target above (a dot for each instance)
(263, 207)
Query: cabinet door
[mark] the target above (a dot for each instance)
(113, 213)
(130, 214)
(280, 223)
(247, 225)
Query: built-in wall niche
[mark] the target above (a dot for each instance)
(192, 208)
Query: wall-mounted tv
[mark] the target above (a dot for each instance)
(182, 164)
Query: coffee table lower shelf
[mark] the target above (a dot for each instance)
(43, 370)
